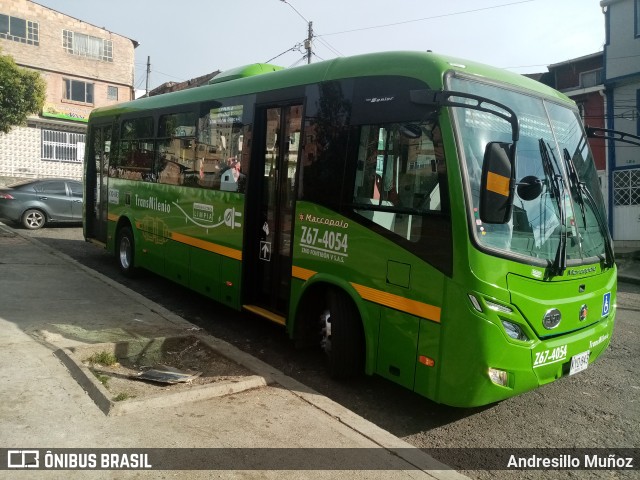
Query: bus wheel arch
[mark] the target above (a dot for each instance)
(328, 317)
(125, 248)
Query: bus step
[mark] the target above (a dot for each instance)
(274, 317)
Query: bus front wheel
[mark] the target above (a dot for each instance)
(342, 338)
(125, 251)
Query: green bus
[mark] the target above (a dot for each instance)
(427, 219)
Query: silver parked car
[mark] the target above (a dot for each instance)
(36, 202)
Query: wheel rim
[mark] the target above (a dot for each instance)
(325, 330)
(35, 219)
(125, 252)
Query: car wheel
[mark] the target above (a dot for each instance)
(125, 252)
(33, 219)
(342, 337)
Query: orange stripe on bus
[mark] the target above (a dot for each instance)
(302, 273)
(210, 247)
(419, 309)
(113, 217)
(498, 184)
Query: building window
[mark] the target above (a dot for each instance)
(78, 91)
(112, 93)
(19, 30)
(62, 146)
(626, 187)
(591, 79)
(87, 46)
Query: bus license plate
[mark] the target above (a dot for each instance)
(579, 362)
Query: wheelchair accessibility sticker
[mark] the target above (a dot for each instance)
(606, 304)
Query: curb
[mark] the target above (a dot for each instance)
(103, 397)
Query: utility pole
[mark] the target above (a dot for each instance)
(146, 93)
(307, 43)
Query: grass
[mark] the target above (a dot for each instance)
(104, 380)
(103, 358)
(122, 396)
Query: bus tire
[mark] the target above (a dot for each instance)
(342, 337)
(125, 251)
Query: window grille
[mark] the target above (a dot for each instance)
(60, 146)
(626, 187)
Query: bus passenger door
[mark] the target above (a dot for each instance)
(96, 193)
(268, 259)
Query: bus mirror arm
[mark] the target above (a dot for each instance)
(618, 136)
(442, 98)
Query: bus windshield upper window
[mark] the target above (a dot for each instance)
(548, 133)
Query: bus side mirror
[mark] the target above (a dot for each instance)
(496, 185)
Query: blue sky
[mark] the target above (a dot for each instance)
(189, 38)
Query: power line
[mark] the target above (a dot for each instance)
(297, 47)
(425, 18)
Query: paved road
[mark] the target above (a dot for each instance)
(597, 408)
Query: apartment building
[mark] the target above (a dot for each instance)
(84, 67)
(622, 90)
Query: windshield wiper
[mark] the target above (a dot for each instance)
(576, 185)
(583, 192)
(557, 190)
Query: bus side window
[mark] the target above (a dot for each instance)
(400, 175)
(135, 151)
(223, 148)
(175, 164)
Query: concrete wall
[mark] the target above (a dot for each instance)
(622, 52)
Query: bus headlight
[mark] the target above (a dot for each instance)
(499, 377)
(514, 331)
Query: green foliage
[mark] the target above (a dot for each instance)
(103, 358)
(22, 92)
(122, 397)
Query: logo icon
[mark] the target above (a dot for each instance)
(23, 459)
(551, 319)
(584, 312)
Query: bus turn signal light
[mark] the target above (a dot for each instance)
(429, 362)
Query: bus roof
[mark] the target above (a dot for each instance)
(426, 66)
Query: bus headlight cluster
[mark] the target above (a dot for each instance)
(514, 331)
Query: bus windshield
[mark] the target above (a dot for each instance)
(558, 206)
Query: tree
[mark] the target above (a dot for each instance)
(22, 92)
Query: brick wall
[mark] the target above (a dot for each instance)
(21, 149)
(50, 56)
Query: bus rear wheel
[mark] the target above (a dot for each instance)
(126, 251)
(342, 337)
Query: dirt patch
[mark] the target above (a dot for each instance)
(117, 366)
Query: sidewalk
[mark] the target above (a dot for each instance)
(51, 306)
(628, 263)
